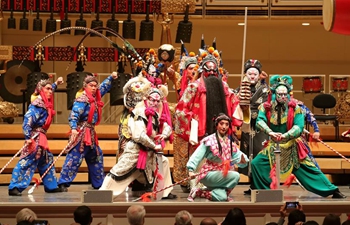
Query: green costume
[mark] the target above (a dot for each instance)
(287, 118)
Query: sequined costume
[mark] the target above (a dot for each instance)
(36, 155)
(85, 146)
(286, 118)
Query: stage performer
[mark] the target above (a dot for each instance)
(202, 101)
(86, 114)
(218, 149)
(252, 141)
(282, 119)
(37, 155)
(148, 129)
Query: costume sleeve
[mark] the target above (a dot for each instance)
(77, 111)
(310, 118)
(30, 119)
(54, 87)
(183, 112)
(197, 157)
(166, 130)
(237, 112)
(106, 85)
(261, 120)
(298, 124)
(236, 158)
(137, 129)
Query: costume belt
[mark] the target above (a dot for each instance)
(89, 135)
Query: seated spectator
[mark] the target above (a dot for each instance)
(208, 221)
(183, 218)
(136, 215)
(25, 214)
(346, 222)
(295, 216)
(234, 216)
(311, 222)
(83, 215)
(331, 219)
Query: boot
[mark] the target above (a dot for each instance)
(338, 194)
(185, 188)
(56, 190)
(248, 192)
(63, 188)
(15, 192)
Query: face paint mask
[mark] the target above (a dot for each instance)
(253, 75)
(281, 94)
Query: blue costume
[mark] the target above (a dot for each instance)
(86, 143)
(37, 154)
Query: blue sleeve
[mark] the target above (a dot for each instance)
(310, 117)
(106, 85)
(30, 119)
(74, 117)
(197, 157)
(54, 87)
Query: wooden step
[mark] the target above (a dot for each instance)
(322, 150)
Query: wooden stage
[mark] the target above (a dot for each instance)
(59, 207)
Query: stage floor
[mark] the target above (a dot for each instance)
(293, 193)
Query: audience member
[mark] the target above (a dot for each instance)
(331, 219)
(83, 215)
(183, 218)
(271, 223)
(136, 215)
(25, 214)
(208, 221)
(346, 222)
(311, 222)
(234, 216)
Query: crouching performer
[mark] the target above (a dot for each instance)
(148, 130)
(220, 152)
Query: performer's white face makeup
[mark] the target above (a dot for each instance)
(48, 91)
(210, 69)
(92, 87)
(253, 75)
(153, 100)
(223, 126)
(137, 86)
(152, 71)
(281, 94)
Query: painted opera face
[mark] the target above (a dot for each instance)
(154, 100)
(210, 69)
(253, 75)
(137, 86)
(282, 94)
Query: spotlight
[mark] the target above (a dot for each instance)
(184, 29)
(65, 23)
(37, 22)
(80, 23)
(23, 22)
(147, 27)
(51, 24)
(11, 22)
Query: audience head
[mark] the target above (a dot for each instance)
(311, 222)
(25, 222)
(234, 216)
(331, 219)
(271, 223)
(25, 214)
(82, 215)
(296, 216)
(183, 218)
(208, 221)
(347, 222)
(136, 215)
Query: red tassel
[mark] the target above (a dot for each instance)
(226, 167)
(273, 177)
(159, 176)
(146, 197)
(313, 142)
(289, 180)
(36, 181)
